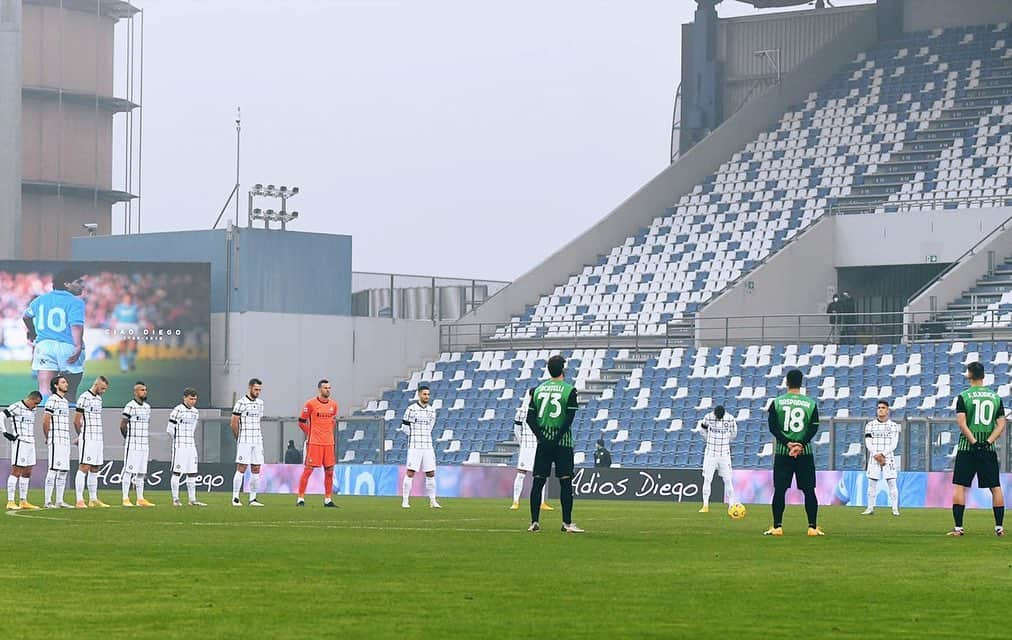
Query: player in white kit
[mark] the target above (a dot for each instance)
(182, 430)
(249, 442)
(21, 435)
(418, 422)
(56, 428)
(881, 436)
(135, 425)
(525, 460)
(719, 429)
(90, 444)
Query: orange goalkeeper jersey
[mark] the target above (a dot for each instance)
(317, 420)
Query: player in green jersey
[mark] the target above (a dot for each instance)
(553, 407)
(793, 421)
(980, 415)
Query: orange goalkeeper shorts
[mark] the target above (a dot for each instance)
(320, 455)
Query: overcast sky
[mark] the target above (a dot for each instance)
(448, 137)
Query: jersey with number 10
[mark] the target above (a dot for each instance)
(982, 407)
(551, 401)
(795, 413)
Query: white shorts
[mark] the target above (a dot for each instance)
(184, 460)
(51, 355)
(423, 460)
(720, 464)
(525, 462)
(249, 453)
(91, 452)
(59, 457)
(22, 454)
(889, 471)
(136, 461)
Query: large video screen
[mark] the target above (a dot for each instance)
(127, 321)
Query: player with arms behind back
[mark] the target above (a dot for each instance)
(980, 415)
(249, 442)
(91, 443)
(525, 459)
(134, 425)
(881, 436)
(317, 422)
(793, 421)
(182, 429)
(553, 408)
(55, 323)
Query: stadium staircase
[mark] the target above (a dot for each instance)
(986, 306)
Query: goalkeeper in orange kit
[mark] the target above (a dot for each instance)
(317, 422)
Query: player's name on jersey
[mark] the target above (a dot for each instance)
(980, 394)
(795, 402)
(678, 485)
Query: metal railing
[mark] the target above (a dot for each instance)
(922, 204)
(418, 297)
(633, 332)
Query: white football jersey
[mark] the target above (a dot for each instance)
(89, 406)
(138, 417)
(250, 413)
(59, 420)
(419, 422)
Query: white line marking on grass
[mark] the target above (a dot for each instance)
(312, 525)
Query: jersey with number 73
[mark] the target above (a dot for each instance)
(795, 413)
(551, 401)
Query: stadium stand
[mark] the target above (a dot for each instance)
(928, 116)
(646, 408)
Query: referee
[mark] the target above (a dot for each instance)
(980, 415)
(793, 421)
(553, 407)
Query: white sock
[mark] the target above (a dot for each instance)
(894, 493)
(518, 486)
(237, 484)
(61, 486)
(24, 488)
(174, 486)
(79, 481)
(406, 488)
(872, 493)
(729, 496)
(430, 488)
(50, 486)
(125, 481)
(254, 485)
(139, 485)
(191, 488)
(12, 489)
(93, 485)
(544, 494)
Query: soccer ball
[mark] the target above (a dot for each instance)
(736, 511)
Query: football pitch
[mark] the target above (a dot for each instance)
(471, 570)
(165, 379)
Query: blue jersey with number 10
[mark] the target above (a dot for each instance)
(54, 313)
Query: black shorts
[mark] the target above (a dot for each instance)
(983, 466)
(801, 469)
(549, 454)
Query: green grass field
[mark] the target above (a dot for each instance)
(166, 380)
(373, 570)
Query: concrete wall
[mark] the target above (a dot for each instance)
(909, 238)
(921, 15)
(290, 353)
(678, 179)
(796, 34)
(10, 129)
(963, 275)
(796, 280)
